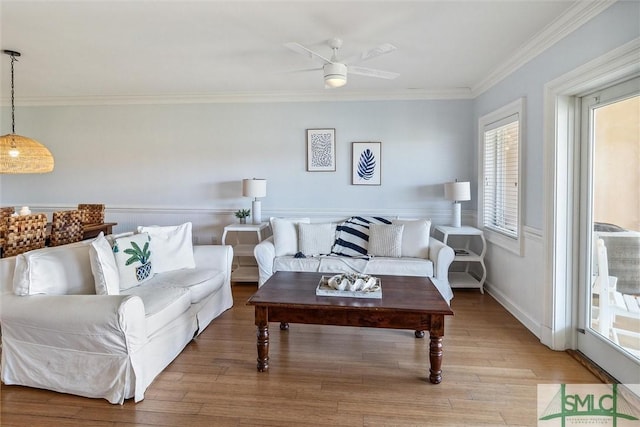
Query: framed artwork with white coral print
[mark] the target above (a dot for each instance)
(321, 150)
(367, 163)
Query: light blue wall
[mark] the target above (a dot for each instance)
(520, 283)
(615, 26)
(194, 156)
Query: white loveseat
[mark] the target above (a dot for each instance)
(59, 335)
(391, 246)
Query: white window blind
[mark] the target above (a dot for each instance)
(501, 175)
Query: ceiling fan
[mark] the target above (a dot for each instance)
(335, 71)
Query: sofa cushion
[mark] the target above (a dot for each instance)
(201, 282)
(134, 259)
(285, 235)
(59, 270)
(399, 267)
(103, 266)
(385, 240)
(338, 264)
(415, 237)
(289, 263)
(172, 247)
(316, 239)
(161, 305)
(352, 236)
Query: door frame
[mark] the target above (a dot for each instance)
(596, 347)
(561, 229)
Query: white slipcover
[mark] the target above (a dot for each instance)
(107, 346)
(435, 265)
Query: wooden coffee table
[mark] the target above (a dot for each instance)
(406, 303)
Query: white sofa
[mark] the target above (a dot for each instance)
(64, 337)
(419, 254)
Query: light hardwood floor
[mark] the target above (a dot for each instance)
(326, 375)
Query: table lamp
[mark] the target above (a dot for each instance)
(255, 188)
(457, 192)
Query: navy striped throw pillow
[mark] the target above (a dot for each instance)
(352, 236)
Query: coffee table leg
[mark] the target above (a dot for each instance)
(263, 338)
(436, 332)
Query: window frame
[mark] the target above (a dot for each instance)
(517, 107)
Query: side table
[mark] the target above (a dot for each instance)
(463, 279)
(240, 272)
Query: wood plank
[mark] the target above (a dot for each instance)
(329, 375)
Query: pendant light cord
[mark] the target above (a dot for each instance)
(13, 107)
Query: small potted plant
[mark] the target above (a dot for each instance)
(242, 214)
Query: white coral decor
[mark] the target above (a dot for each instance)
(351, 282)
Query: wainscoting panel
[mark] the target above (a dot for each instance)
(208, 224)
(518, 282)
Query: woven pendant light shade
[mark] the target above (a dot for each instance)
(19, 154)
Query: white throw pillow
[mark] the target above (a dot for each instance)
(134, 259)
(385, 240)
(104, 267)
(111, 238)
(316, 239)
(58, 270)
(172, 247)
(285, 234)
(415, 238)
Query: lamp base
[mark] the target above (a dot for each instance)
(455, 218)
(256, 212)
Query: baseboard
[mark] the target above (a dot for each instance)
(512, 308)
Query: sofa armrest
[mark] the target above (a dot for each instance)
(109, 324)
(442, 257)
(218, 257)
(265, 253)
(7, 267)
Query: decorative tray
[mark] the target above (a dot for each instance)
(340, 285)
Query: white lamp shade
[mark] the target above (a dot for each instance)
(457, 191)
(254, 187)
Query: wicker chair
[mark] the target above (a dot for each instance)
(25, 233)
(91, 213)
(5, 213)
(66, 227)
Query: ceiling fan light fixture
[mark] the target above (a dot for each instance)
(335, 75)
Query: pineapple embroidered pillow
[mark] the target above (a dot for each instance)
(133, 258)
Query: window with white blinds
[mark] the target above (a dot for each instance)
(500, 145)
(501, 176)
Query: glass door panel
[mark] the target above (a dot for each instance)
(610, 210)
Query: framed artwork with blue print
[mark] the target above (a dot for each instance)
(367, 163)
(321, 150)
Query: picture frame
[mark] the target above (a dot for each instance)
(366, 163)
(321, 150)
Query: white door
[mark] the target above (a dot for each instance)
(609, 210)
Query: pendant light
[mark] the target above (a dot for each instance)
(19, 154)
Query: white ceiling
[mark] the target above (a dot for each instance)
(106, 50)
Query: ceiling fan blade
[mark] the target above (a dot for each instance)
(371, 53)
(316, 57)
(303, 70)
(370, 72)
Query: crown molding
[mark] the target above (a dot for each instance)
(263, 97)
(576, 16)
